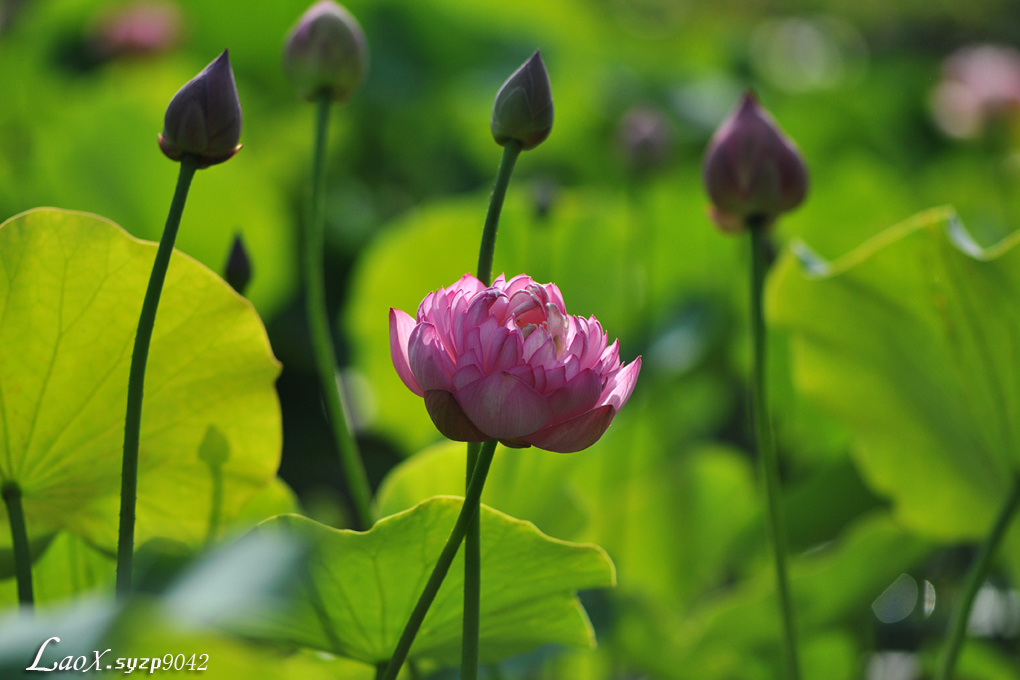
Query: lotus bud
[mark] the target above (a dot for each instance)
(326, 53)
(752, 171)
(237, 271)
(524, 108)
(544, 192)
(204, 117)
(645, 138)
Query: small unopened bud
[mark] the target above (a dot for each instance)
(326, 53)
(544, 192)
(645, 138)
(237, 271)
(204, 117)
(524, 108)
(752, 171)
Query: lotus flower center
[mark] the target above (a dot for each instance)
(555, 324)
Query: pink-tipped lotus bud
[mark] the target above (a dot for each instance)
(524, 108)
(237, 271)
(204, 117)
(752, 171)
(326, 53)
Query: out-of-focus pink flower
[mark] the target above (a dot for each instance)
(507, 362)
(979, 83)
(143, 27)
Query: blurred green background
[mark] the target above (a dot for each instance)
(611, 208)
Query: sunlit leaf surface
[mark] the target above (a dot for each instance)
(528, 484)
(912, 340)
(71, 286)
(362, 587)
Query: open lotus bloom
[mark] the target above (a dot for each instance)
(506, 362)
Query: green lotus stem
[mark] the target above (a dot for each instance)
(473, 539)
(472, 581)
(485, 252)
(11, 493)
(467, 512)
(136, 380)
(976, 577)
(774, 525)
(318, 324)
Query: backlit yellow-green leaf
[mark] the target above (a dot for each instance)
(362, 587)
(71, 286)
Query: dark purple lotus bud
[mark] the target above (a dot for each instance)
(237, 271)
(524, 108)
(752, 171)
(326, 52)
(204, 117)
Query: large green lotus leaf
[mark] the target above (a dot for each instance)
(911, 340)
(71, 287)
(229, 658)
(143, 630)
(69, 567)
(528, 484)
(979, 660)
(740, 626)
(362, 587)
(275, 499)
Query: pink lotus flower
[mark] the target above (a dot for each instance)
(506, 362)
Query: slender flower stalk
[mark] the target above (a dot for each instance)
(512, 346)
(11, 493)
(136, 381)
(472, 580)
(473, 539)
(201, 128)
(769, 461)
(487, 249)
(753, 173)
(326, 58)
(467, 511)
(976, 577)
(522, 117)
(318, 323)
